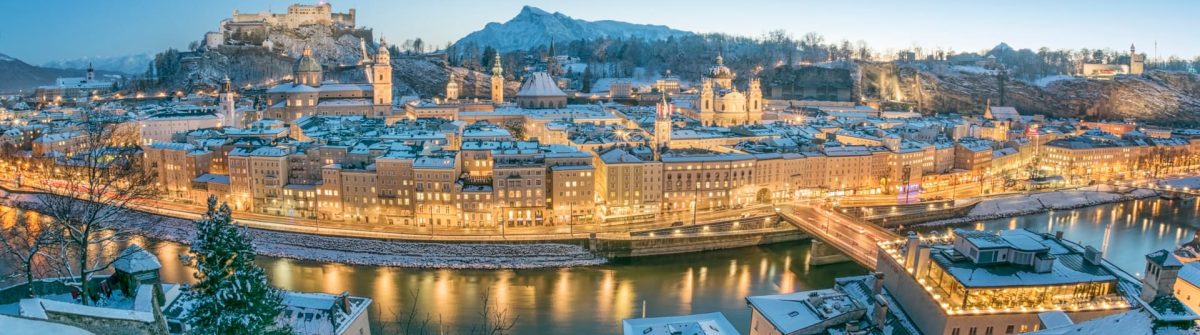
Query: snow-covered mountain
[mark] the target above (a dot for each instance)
(534, 27)
(17, 75)
(128, 64)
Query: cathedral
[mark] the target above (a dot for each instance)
(308, 94)
(721, 104)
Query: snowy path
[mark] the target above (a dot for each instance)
(1025, 204)
(361, 251)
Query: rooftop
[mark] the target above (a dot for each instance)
(696, 324)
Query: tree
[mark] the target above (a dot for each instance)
(25, 242)
(231, 295)
(91, 187)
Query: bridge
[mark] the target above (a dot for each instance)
(855, 238)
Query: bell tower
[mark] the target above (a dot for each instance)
(754, 102)
(497, 81)
(227, 100)
(662, 126)
(381, 83)
(1137, 62)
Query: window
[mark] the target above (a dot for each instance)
(954, 331)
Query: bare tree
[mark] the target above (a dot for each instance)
(91, 188)
(494, 321)
(25, 242)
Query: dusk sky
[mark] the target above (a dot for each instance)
(40, 31)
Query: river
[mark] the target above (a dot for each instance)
(594, 300)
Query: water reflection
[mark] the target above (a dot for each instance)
(576, 300)
(1124, 232)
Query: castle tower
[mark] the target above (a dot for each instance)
(1137, 62)
(452, 88)
(662, 126)
(381, 83)
(754, 102)
(307, 70)
(497, 81)
(227, 100)
(91, 73)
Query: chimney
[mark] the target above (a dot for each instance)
(910, 250)
(815, 299)
(1091, 255)
(881, 309)
(877, 286)
(1058, 235)
(344, 300)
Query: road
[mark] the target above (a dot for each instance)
(857, 239)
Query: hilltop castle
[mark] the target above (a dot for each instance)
(251, 28)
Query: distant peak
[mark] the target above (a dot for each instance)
(531, 10)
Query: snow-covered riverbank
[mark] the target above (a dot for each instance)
(1025, 204)
(362, 251)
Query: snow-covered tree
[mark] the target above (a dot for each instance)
(231, 295)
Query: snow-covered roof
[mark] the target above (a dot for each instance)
(292, 88)
(22, 326)
(540, 84)
(135, 259)
(695, 324)
(793, 312)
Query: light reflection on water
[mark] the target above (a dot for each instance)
(595, 299)
(1125, 232)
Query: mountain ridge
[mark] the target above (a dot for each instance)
(534, 27)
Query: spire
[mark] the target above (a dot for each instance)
(497, 70)
(307, 52)
(720, 60)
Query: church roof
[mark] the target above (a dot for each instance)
(540, 84)
(307, 63)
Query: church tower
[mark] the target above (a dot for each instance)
(706, 102)
(452, 88)
(1137, 63)
(381, 83)
(662, 126)
(91, 73)
(227, 100)
(754, 102)
(497, 81)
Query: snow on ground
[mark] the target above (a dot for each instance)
(1025, 204)
(1189, 182)
(1045, 81)
(362, 251)
(973, 69)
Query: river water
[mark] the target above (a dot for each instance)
(594, 300)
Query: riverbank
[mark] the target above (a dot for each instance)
(364, 251)
(1026, 204)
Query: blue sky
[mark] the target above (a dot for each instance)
(39, 31)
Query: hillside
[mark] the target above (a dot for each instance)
(533, 27)
(1155, 97)
(17, 75)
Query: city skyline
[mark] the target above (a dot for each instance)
(932, 25)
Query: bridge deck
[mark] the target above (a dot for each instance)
(855, 238)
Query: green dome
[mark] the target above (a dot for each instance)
(307, 63)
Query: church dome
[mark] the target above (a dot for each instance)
(720, 71)
(307, 63)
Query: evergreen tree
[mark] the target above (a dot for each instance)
(232, 295)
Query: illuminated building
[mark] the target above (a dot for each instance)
(973, 282)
